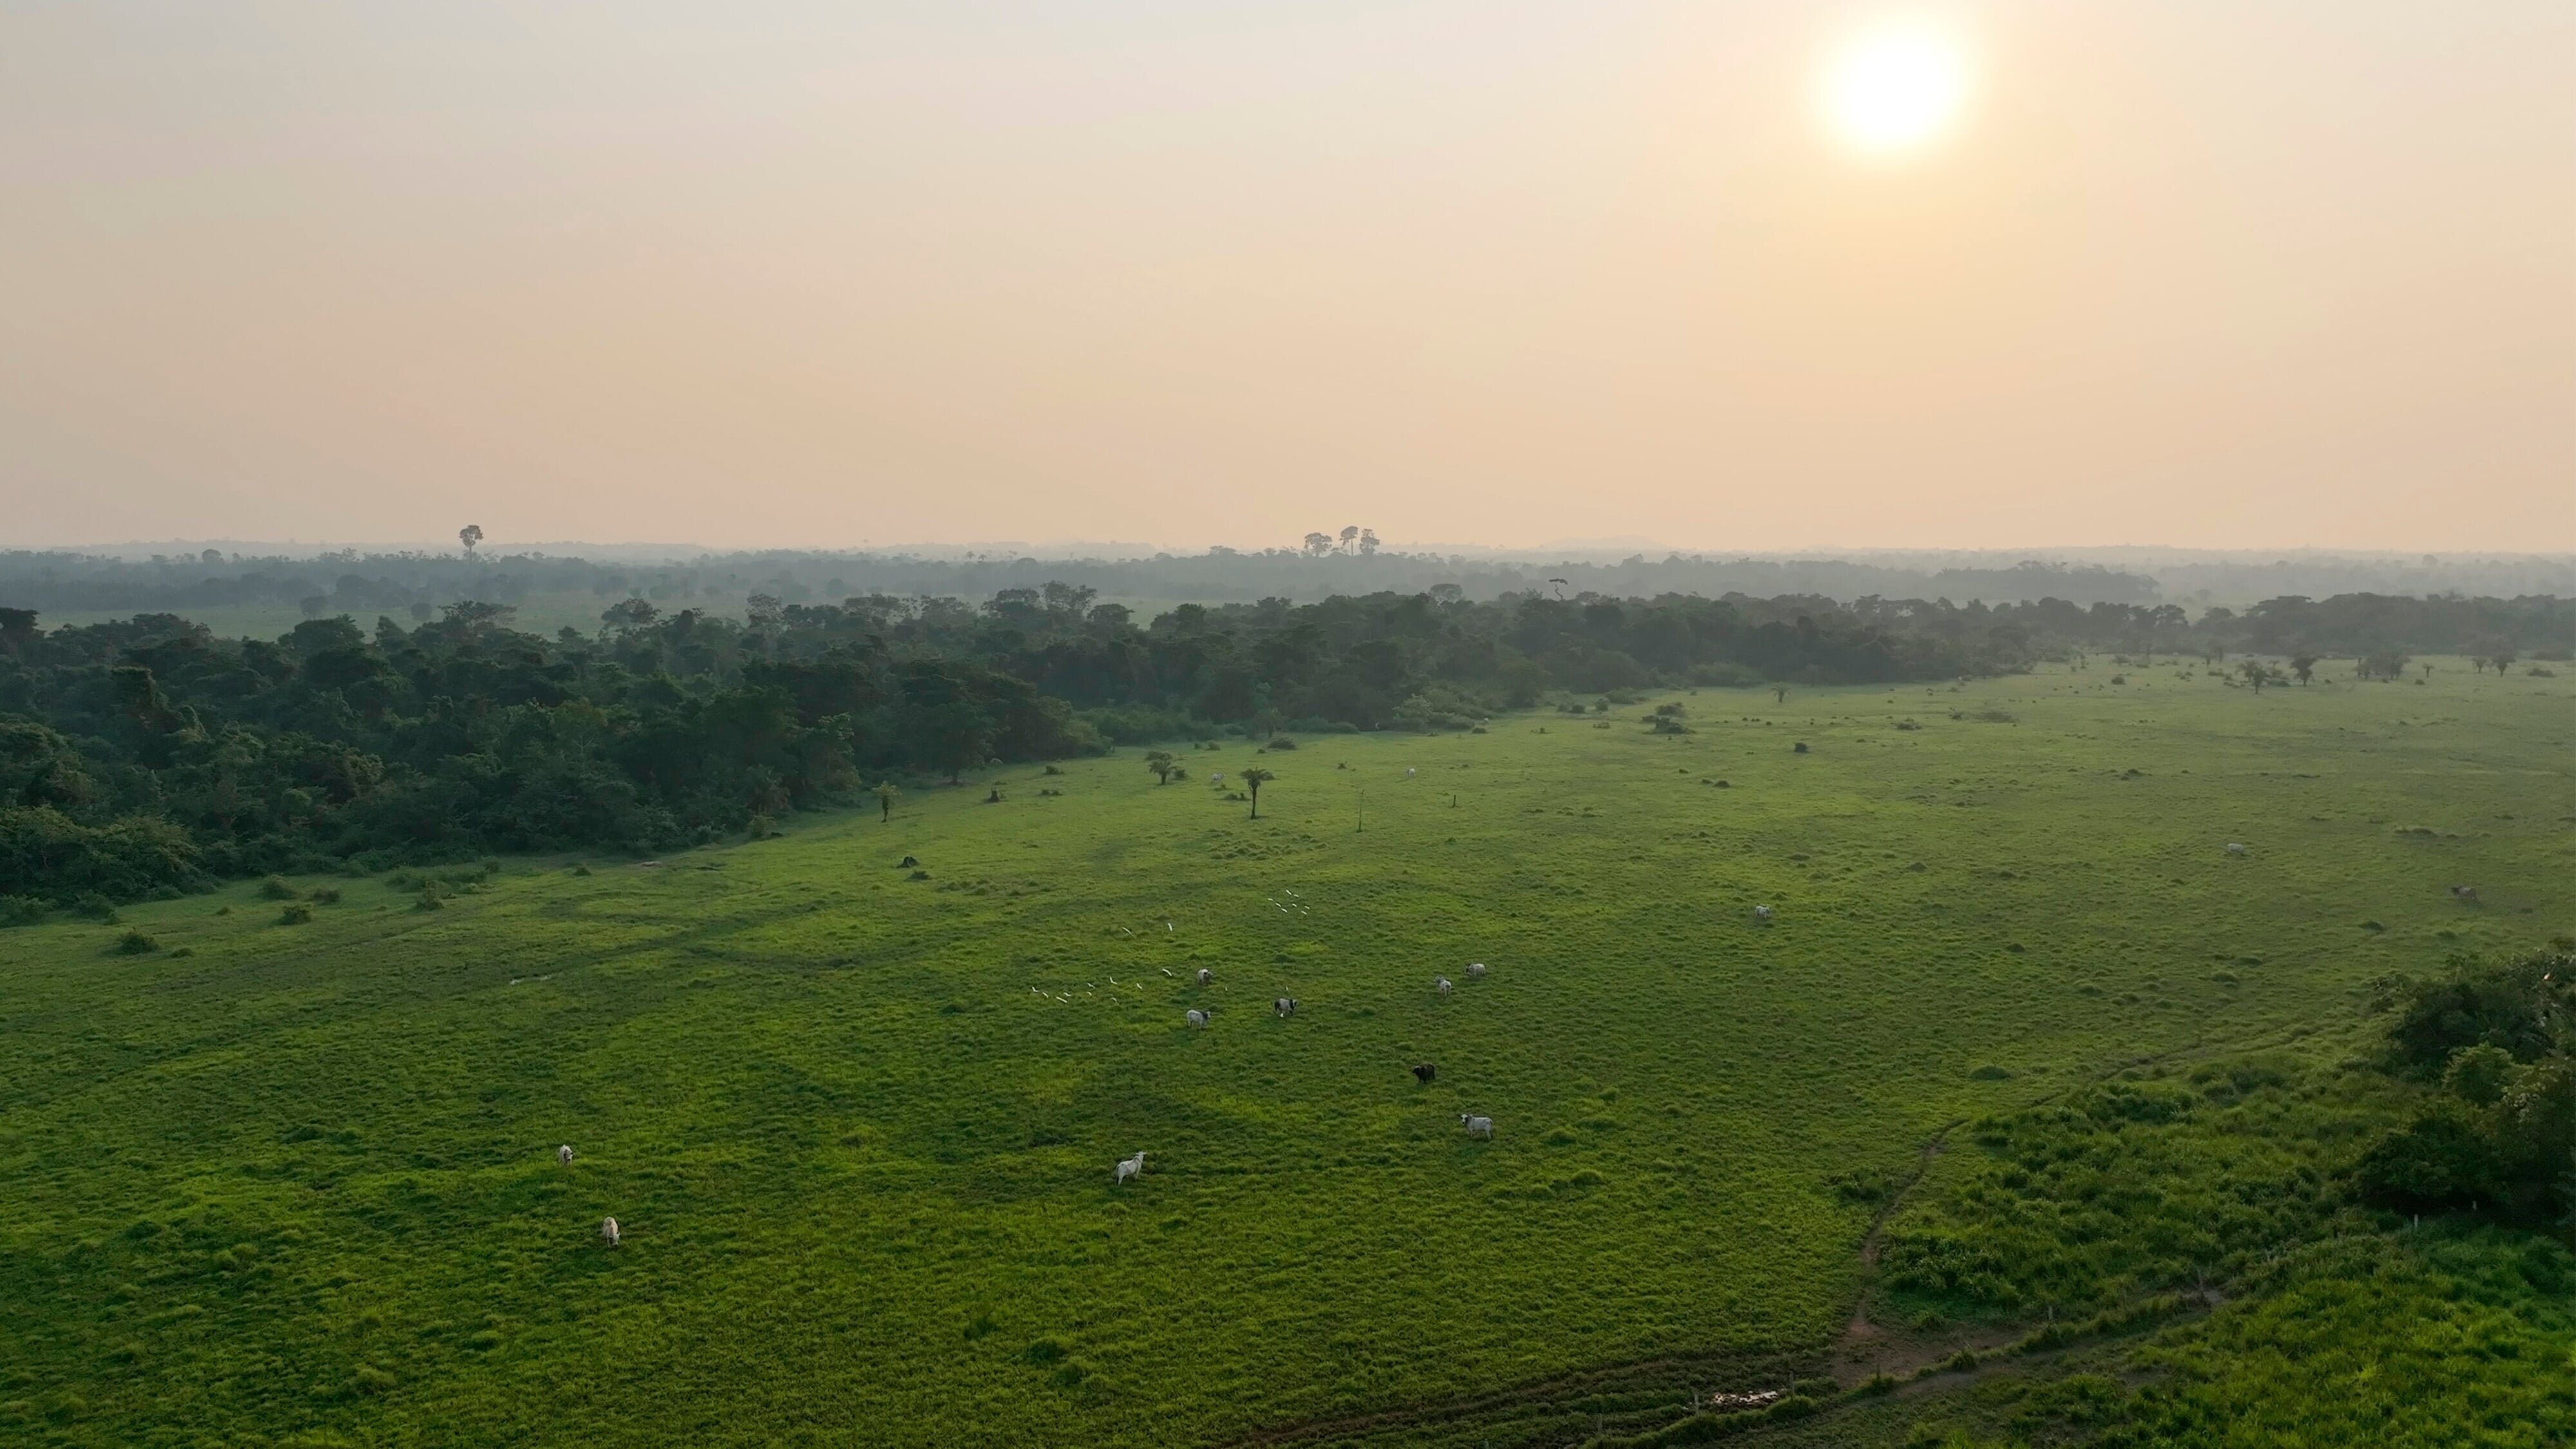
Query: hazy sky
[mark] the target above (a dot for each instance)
(2215, 272)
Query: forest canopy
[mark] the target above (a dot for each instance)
(147, 755)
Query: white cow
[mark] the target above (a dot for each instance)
(1196, 1017)
(1440, 984)
(1475, 970)
(1762, 914)
(1284, 1005)
(1408, 772)
(608, 1231)
(1477, 1126)
(1206, 976)
(1129, 1167)
(2235, 847)
(563, 1154)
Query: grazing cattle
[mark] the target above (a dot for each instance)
(1206, 976)
(1284, 1005)
(1475, 970)
(2235, 847)
(1440, 984)
(1423, 1072)
(907, 863)
(1477, 1126)
(608, 1231)
(1195, 1017)
(1129, 1167)
(563, 1154)
(2467, 894)
(1762, 914)
(1408, 772)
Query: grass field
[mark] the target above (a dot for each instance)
(299, 1183)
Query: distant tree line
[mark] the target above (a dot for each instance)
(1325, 564)
(146, 754)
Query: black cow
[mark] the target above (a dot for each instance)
(1423, 1072)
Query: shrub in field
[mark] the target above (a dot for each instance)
(135, 943)
(2503, 1127)
(21, 910)
(325, 896)
(277, 888)
(98, 908)
(295, 914)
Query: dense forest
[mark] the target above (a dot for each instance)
(146, 755)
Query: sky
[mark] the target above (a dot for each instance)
(2222, 273)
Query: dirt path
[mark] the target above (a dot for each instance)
(1860, 1329)
(1709, 1369)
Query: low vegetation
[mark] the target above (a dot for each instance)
(854, 1094)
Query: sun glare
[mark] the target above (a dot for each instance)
(1894, 90)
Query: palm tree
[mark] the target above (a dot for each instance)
(2304, 666)
(1162, 764)
(1253, 779)
(887, 794)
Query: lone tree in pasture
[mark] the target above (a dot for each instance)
(2304, 666)
(470, 535)
(1162, 764)
(2256, 674)
(1253, 779)
(887, 794)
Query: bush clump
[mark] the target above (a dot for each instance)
(135, 943)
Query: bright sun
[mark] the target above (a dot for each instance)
(1895, 89)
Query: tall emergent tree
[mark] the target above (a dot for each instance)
(1253, 779)
(470, 535)
(1162, 764)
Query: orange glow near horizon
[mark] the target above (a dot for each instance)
(1947, 274)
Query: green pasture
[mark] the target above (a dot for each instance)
(273, 1182)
